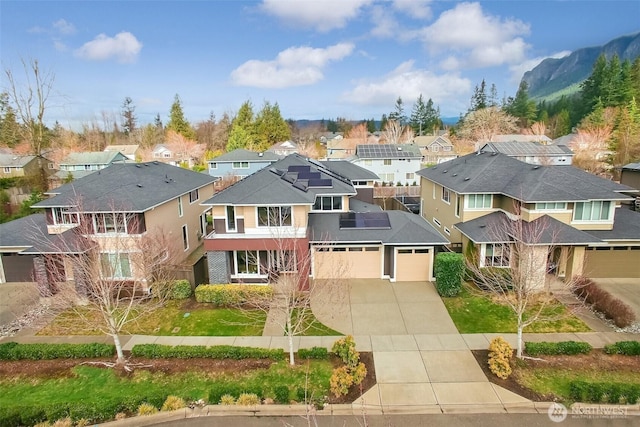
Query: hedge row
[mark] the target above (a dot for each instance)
(94, 412)
(15, 351)
(449, 269)
(557, 348)
(232, 295)
(158, 351)
(627, 348)
(604, 302)
(614, 393)
(313, 353)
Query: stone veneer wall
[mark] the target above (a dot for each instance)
(219, 268)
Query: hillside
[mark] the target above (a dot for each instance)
(553, 77)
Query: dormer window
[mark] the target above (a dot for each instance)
(596, 211)
(65, 216)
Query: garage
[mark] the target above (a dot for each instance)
(612, 262)
(413, 264)
(354, 262)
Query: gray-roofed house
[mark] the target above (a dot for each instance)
(13, 165)
(309, 206)
(130, 151)
(78, 165)
(363, 180)
(240, 163)
(464, 198)
(532, 152)
(630, 175)
(284, 148)
(435, 148)
(123, 199)
(393, 163)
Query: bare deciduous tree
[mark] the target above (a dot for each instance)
(395, 133)
(482, 125)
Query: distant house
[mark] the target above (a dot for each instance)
(435, 148)
(342, 148)
(393, 163)
(78, 165)
(542, 139)
(328, 136)
(12, 165)
(630, 175)
(284, 148)
(363, 180)
(162, 153)
(532, 152)
(240, 163)
(130, 151)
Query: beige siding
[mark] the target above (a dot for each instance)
(414, 267)
(612, 263)
(444, 212)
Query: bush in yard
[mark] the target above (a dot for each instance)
(15, 351)
(232, 295)
(340, 381)
(449, 269)
(627, 348)
(620, 313)
(172, 403)
(557, 348)
(345, 349)
(181, 289)
(313, 353)
(248, 399)
(227, 399)
(359, 372)
(281, 394)
(146, 409)
(604, 392)
(500, 353)
(159, 351)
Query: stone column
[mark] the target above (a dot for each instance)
(218, 266)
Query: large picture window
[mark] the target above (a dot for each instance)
(551, 206)
(478, 201)
(328, 203)
(263, 263)
(592, 211)
(274, 216)
(115, 265)
(111, 222)
(496, 255)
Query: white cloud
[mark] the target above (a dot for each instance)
(419, 9)
(60, 46)
(296, 66)
(384, 23)
(322, 16)
(61, 26)
(408, 83)
(124, 47)
(478, 39)
(518, 70)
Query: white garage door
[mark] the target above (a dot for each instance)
(352, 262)
(414, 265)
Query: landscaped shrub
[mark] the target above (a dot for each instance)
(313, 353)
(147, 409)
(627, 348)
(340, 381)
(352, 373)
(449, 270)
(557, 348)
(159, 351)
(500, 353)
(620, 313)
(345, 349)
(221, 389)
(227, 399)
(359, 372)
(14, 351)
(173, 403)
(248, 399)
(605, 392)
(302, 394)
(181, 289)
(281, 394)
(232, 295)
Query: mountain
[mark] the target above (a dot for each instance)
(556, 76)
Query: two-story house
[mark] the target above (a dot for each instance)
(130, 151)
(240, 163)
(78, 165)
(589, 231)
(305, 206)
(435, 148)
(395, 164)
(532, 152)
(12, 165)
(121, 201)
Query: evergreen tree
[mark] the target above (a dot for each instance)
(383, 122)
(418, 117)
(479, 97)
(625, 142)
(129, 118)
(177, 121)
(238, 138)
(591, 88)
(398, 114)
(371, 125)
(270, 127)
(635, 79)
(332, 126)
(9, 127)
(522, 107)
(493, 96)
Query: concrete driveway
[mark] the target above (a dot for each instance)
(379, 307)
(16, 299)
(627, 290)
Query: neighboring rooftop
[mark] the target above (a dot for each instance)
(388, 151)
(92, 158)
(14, 160)
(350, 170)
(242, 155)
(29, 235)
(520, 138)
(632, 167)
(515, 148)
(127, 150)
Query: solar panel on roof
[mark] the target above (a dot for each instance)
(309, 175)
(351, 220)
(320, 183)
(299, 168)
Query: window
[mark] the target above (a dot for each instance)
(115, 265)
(166, 155)
(447, 231)
(496, 255)
(410, 176)
(213, 165)
(458, 203)
(478, 201)
(446, 195)
(387, 177)
(405, 251)
(87, 167)
(109, 223)
(372, 249)
(264, 262)
(355, 249)
(551, 206)
(180, 212)
(185, 237)
(436, 222)
(386, 162)
(367, 162)
(274, 216)
(435, 148)
(50, 165)
(231, 218)
(240, 165)
(65, 216)
(194, 195)
(328, 203)
(359, 183)
(446, 148)
(7, 170)
(592, 211)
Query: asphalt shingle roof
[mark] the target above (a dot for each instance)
(13, 160)
(133, 187)
(92, 158)
(516, 148)
(496, 173)
(31, 233)
(242, 155)
(268, 187)
(626, 226)
(350, 170)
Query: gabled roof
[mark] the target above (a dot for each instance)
(388, 151)
(350, 170)
(242, 155)
(124, 149)
(427, 140)
(631, 167)
(284, 182)
(544, 230)
(515, 148)
(520, 138)
(284, 145)
(626, 226)
(13, 160)
(131, 187)
(30, 233)
(406, 229)
(495, 173)
(93, 158)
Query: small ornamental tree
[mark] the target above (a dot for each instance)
(449, 269)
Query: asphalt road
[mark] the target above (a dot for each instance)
(470, 420)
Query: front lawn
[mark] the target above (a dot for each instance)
(478, 313)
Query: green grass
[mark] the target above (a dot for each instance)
(473, 313)
(313, 327)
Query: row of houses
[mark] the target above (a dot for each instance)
(322, 211)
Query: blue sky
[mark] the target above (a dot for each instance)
(315, 58)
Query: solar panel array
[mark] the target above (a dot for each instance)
(383, 151)
(360, 220)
